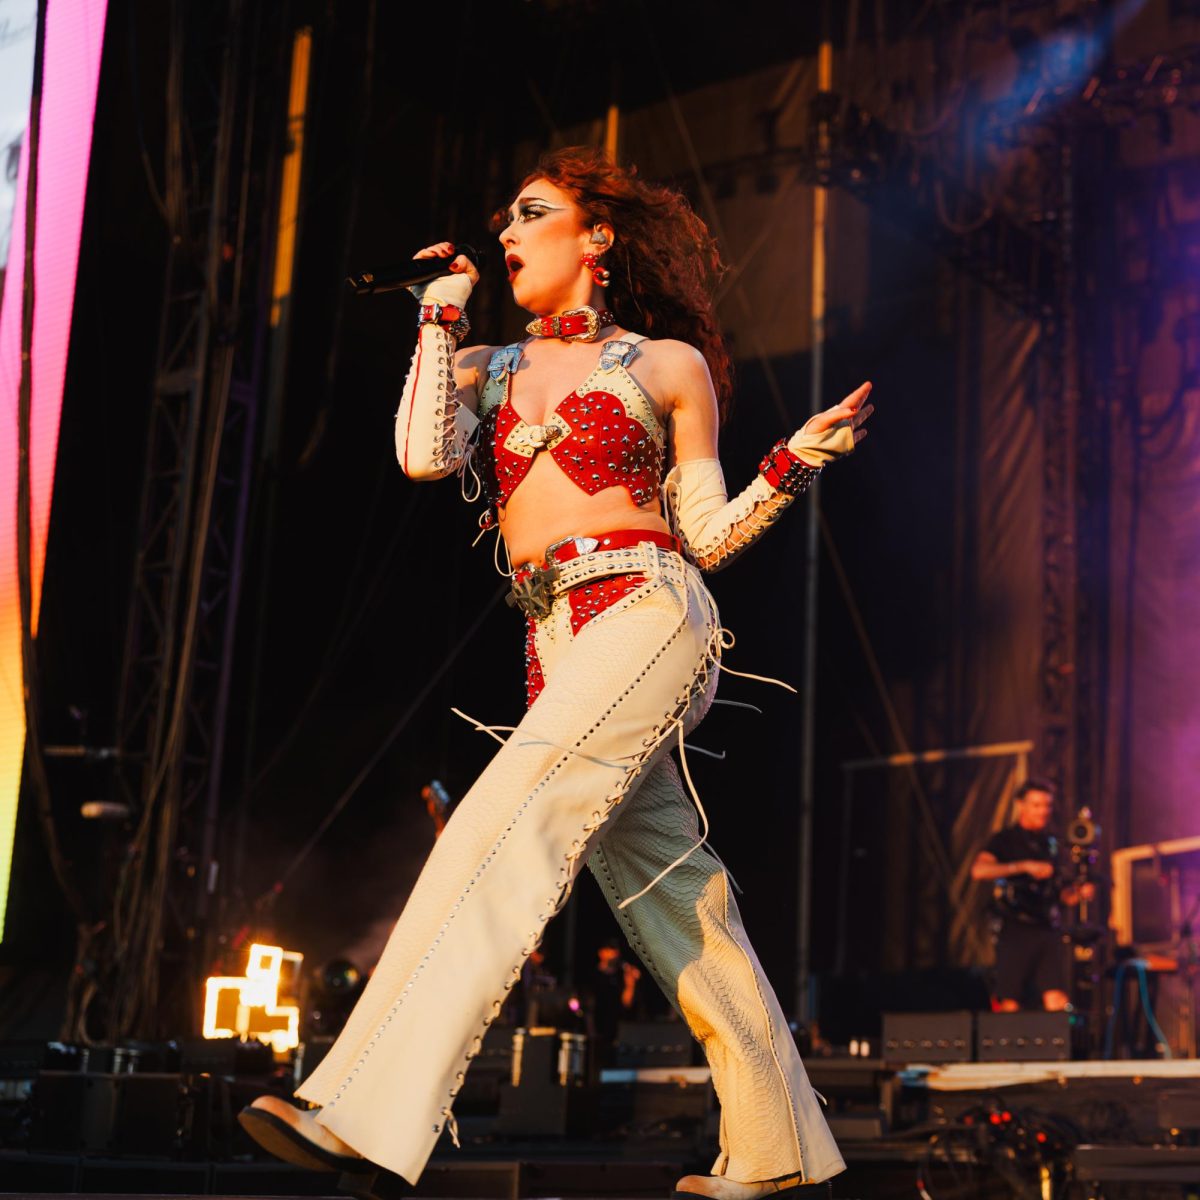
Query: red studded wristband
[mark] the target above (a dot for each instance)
(449, 316)
(785, 472)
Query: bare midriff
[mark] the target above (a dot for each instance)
(548, 507)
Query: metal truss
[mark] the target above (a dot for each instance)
(175, 673)
(1058, 403)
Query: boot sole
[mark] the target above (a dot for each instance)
(280, 1139)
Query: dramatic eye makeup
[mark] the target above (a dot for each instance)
(524, 211)
(531, 209)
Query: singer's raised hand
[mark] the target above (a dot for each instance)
(461, 265)
(854, 409)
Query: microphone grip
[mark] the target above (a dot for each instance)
(409, 274)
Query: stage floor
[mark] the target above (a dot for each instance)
(896, 1124)
(971, 1077)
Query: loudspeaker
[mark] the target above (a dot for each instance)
(1179, 1109)
(653, 1044)
(123, 1114)
(928, 1037)
(548, 1095)
(1024, 1037)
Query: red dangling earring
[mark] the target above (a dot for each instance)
(600, 274)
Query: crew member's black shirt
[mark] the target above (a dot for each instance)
(1031, 901)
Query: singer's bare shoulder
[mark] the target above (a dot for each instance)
(678, 373)
(469, 365)
(673, 356)
(677, 376)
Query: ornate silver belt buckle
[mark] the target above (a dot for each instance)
(532, 593)
(583, 545)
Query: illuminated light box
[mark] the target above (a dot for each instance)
(253, 1005)
(74, 36)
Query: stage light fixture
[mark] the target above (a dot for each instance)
(104, 810)
(250, 1006)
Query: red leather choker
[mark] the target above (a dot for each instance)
(574, 325)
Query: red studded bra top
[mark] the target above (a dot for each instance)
(604, 434)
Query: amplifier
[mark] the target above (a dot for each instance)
(937, 1037)
(76, 1113)
(1179, 1109)
(657, 1098)
(1024, 1037)
(1160, 1165)
(857, 1126)
(548, 1094)
(653, 1044)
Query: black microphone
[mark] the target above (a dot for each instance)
(409, 274)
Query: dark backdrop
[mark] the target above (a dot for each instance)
(372, 580)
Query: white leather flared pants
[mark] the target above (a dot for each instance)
(584, 777)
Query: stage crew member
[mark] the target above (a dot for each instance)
(1022, 864)
(593, 441)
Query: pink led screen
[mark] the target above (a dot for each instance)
(74, 36)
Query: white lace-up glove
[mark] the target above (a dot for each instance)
(433, 427)
(714, 529)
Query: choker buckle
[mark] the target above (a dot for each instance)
(590, 315)
(574, 325)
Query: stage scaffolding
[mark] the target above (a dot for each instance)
(174, 685)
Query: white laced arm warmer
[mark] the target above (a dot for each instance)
(714, 529)
(434, 427)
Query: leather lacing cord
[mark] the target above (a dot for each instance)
(727, 642)
(577, 846)
(500, 542)
(718, 546)
(739, 704)
(470, 488)
(451, 1126)
(687, 774)
(494, 731)
(448, 457)
(722, 639)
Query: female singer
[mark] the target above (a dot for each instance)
(594, 441)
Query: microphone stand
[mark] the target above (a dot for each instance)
(1090, 945)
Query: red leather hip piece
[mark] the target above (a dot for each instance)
(590, 573)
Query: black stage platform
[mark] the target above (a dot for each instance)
(961, 1131)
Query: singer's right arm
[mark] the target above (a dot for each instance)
(436, 419)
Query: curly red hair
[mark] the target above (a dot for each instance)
(663, 262)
